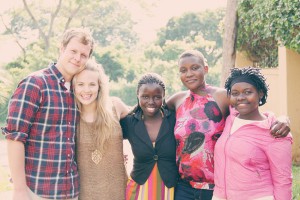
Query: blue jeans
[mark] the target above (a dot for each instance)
(183, 191)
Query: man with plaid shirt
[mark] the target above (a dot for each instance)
(41, 125)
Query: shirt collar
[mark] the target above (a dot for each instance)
(57, 73)
(59, 76)
(139, 113)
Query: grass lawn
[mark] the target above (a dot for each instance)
(296, 182)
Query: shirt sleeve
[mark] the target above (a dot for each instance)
(279, 153)
(23, 106)
(124, 125)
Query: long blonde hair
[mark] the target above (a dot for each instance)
(105, 122)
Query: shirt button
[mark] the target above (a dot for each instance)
(155, 157)
(69, 123)
(68, 139)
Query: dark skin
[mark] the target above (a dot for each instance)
(281, 128)
(151, 98)
(192, 73)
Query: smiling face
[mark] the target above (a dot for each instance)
(151, 98)
(73, 58)
(87, 87)
(245, 98)
(192, 72)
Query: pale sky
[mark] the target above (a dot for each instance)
(163, 10)
(147, 25)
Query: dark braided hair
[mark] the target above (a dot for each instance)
(149, 78)
(252, 73)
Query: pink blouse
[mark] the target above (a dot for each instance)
(251, 163)
(199, 123)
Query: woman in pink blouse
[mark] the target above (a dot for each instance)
(251, 164)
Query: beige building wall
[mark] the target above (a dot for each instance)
(241, 60)
(289, 66)
(272, 76)
(284, 93)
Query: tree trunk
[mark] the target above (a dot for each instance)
(45, 37)
(229, 40)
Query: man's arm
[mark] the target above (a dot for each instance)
(22, 108)
(16, 159)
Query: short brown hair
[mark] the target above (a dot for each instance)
(82, 34)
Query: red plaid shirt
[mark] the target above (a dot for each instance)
(42, 114)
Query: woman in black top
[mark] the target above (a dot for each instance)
(150, 131)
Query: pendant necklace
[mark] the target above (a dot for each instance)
(96, 155)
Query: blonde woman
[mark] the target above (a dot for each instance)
(99, 137)
(41, 123)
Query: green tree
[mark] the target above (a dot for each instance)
(196, 29)
(42, 22)
(263, 25)
(127, 94)
(113, 68)
(4, 94)
(230, 36)
(37, 28)
(201, 31)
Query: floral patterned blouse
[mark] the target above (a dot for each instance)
(199, 123)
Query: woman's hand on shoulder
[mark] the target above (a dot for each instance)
(121, 108)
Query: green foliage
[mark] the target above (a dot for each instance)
(192, 24)
(172, 49)
(201, 31)
(127, 94)
(213, 78)
(9, 79)
(117, 63)
(112, 67)
(5, 92)
(111, 23)
(117, 47)
(265, 24)
(36, 59)
(2, 124)
(108, 20)
(190, 31)
(285, 22)
(130, 75)
(296, 182)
